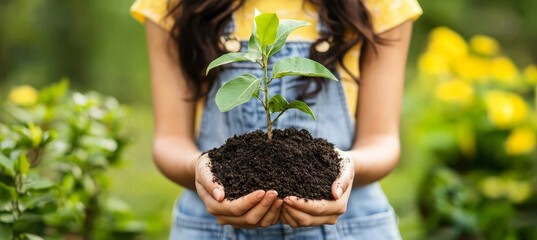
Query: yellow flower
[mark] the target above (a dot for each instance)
(503, 70)
(433, 63)
(515, 191)
(455, 91)
(23, 96)
(520, 141)
(505, 109)
(448, 43)
(518, 191)
(471, 67)
(530, 73)
(484, 45)
(492, 187)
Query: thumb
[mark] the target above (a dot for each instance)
(206, 179)
(218, 193)
(346, 176)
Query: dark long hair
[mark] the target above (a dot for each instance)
(200, 23)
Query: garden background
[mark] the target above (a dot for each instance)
(469, 121)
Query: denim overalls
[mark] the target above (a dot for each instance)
(369, 215)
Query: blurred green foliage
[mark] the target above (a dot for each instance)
(475, 112)
(95, 43)
(55, 153)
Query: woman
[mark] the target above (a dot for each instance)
(366, 40)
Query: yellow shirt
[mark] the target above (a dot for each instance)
(385, 14)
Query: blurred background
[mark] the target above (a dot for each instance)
(469, 164)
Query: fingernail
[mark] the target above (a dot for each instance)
(288, 201)
(217, 193)
(273, 194)
(260, 195)
(339, 192)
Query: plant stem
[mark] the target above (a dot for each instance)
(92, 212)
(266, 83)
(18, 191)
(276, 119)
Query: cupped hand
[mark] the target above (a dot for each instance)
(257, 209)
(298, 212)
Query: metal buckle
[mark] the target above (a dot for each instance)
(324, 45)
(231, 43)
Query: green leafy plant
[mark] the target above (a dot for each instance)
(25, 196)
(56, 151)
(269, 34)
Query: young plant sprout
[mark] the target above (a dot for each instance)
(269, 34)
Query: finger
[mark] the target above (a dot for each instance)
(306, 220)
(255, 214)
(312, 207)
(239, 206)
(344, 181)
(287, 219)
(205, 177)
(272, 214)
(281, 218)
(319, 207)
(278, 212)
(236, 207)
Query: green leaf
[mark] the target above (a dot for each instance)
(302, 106)
(68, 182)
(6, 231)
(35, 134)
(31, 202)
(256, 92)
(89, 185)
(299, 66)
(32, 237)
(29, 217)
(236, 92)
(7, 165)
(253, 47)
(39, 184)
(231, 57)
(6, 192)
(23, 165)
(277, 103)
(7, 218)
(54, 93)
(284, 29)
(266, 28)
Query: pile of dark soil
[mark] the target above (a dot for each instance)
(292, 163)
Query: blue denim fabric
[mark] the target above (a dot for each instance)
(368, 215)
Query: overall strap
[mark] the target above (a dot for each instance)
(229, 29)
(324, 45)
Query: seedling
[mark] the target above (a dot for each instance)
(269, 34)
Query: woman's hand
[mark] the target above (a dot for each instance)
(257, 209)
(301, 213)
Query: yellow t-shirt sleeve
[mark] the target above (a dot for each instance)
(154, 10)
(387, 14)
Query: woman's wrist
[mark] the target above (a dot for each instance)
(358, 163)
(193, 164)
(374, 161)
